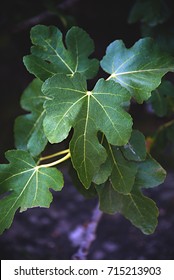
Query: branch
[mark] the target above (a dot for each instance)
(89, 235)
(55, 162)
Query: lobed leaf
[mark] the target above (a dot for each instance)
(120, 171)
(123, 171)
(122, 163)
(138, 69)
(49, 56)
(151, 12)
(139, 209)
(162, 99)
(28, 129)
(69, 104)
(25, 185)
(150, 173)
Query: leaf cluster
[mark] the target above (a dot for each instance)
(107, 153)
(156, 21)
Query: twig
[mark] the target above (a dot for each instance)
(89, 235)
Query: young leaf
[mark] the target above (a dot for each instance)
(69, 104)
(29, 134)
(140, 210)
(138, 69)
(25, 185)
(50, 56)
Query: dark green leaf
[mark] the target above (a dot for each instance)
(150, 174)
(50, 56)
(123, 171)
(29, 134)
(151, 12)
(162, 99)
(25, 185)
(138, 69)
(140, 210)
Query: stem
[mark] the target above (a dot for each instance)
(167, 124)
(111, 76)
(56, 162)
(89, 235)
(54, 155)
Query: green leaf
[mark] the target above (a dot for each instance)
(150, 174)
(25, 185)
(121, 163)
(120, 171)
(123, 171)
(139, 69)
(135, 149)
(70, 105)
(151, 12)
(164, 36)
(29, 134)
(140, 210)
(162, 99)
(50, 56)
(104, 172)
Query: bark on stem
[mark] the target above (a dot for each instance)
(89, 235)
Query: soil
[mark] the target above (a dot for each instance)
(55, 233)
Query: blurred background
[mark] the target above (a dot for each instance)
(50, 233)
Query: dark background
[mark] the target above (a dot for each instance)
(47, 233)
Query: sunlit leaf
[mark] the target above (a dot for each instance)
(50, 56)
(29, 134)
(139, 69)
(25, 185)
